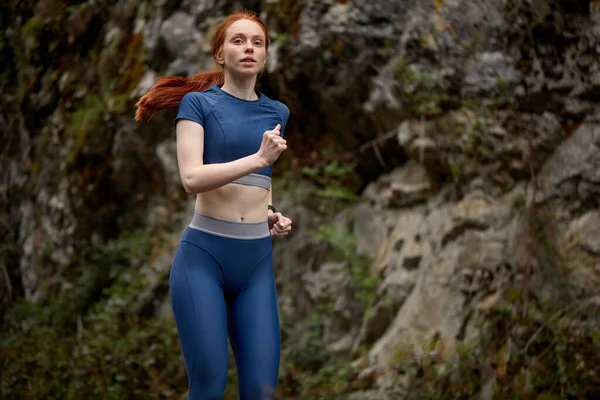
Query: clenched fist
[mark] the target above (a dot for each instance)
(272, 145)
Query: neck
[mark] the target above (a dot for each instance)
(240, 87)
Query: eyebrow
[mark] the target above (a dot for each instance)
(243, 34)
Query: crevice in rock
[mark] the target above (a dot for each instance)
(460, 228)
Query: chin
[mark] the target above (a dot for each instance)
(247, 73)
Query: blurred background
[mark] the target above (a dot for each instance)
(443, 176)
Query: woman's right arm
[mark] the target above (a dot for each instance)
(198, 178)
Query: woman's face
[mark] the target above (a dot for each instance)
(244, 51)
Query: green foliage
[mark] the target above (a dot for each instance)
(32, 28)
(88, 341)
(342, 244)
(418, 90)
(129, 359)
(307, 370)
(332, 378)
(339, 237)
(364, 282)
(337, 193)
(326, 187)
(303, 340)
(99, 270)
(333, 177)
(281, 39)
(84, 120)
(132, 68)
(524, 350)
(501, 85)
(479, 126)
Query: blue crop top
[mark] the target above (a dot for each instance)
(233, 127)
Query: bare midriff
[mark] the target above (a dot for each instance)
(234, 202)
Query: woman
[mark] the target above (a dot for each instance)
(228, 137)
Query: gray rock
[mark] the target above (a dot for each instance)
(467, 145)
(147, 81)
(586, 230)
(166, 152)
(464, 257)
(572, 173)
(328, 282)
(404, 186)
(200, 8)
(579, 248)
(492, 74)
(178, 31)
(370, 227)
(366, 395)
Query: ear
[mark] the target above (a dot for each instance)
(219, 58)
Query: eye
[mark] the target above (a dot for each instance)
(238, 41)
(258, 43)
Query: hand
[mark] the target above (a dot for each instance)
(279, 225)
(272, 145)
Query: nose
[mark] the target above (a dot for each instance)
(250, 47)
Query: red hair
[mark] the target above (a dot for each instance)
(168, 91)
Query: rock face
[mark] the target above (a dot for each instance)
(572, 175)
(448, 261)
(439, 261)
(477, 109)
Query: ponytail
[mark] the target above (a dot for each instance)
(168, 91)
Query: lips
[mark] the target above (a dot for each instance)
(248, 59)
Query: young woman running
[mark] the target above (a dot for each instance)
(221, 284)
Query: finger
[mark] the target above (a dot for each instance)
(277, 130)
(284, 222)
(281, 226)
(275, 228)
(274, 136)
(285, 226)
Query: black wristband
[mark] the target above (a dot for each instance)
(272, 208)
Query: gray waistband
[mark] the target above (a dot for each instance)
(230, 229)
(255, 180)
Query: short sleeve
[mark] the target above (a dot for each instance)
(284, 112)
(190, 108)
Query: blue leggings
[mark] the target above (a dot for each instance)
(222, 285)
